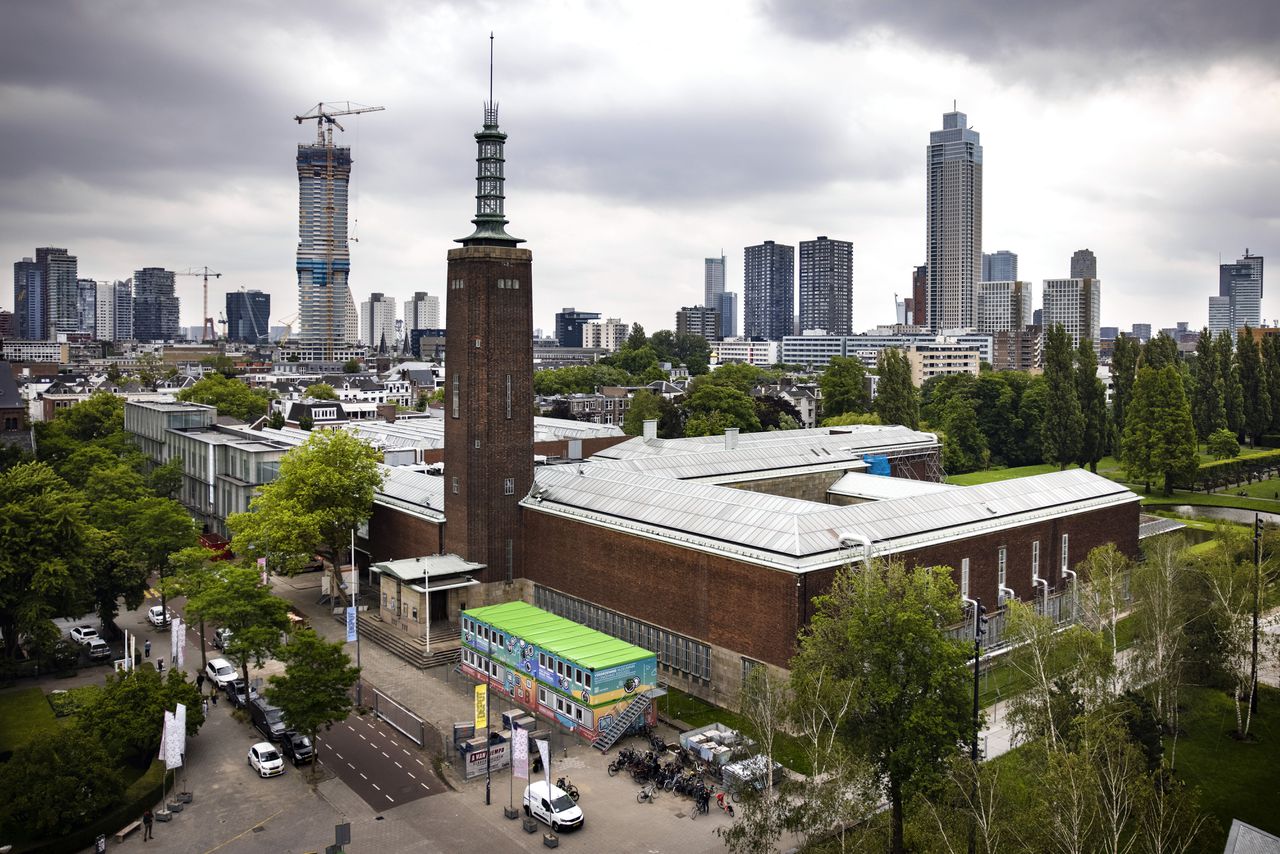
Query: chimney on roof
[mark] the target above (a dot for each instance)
(651, 428)
(730, 438)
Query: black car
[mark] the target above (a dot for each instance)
(237, 693)
(267, 718)
(297, 747)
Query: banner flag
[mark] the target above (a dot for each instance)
(171, 747)
(520, 753)
(482, 711)
(544, 750)
(352, 624)
(179, 656)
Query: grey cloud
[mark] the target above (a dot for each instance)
(1051, 40)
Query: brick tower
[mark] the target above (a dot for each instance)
(488, 450)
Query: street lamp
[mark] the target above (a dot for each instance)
(979, 629)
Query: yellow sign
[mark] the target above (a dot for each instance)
(482, 697)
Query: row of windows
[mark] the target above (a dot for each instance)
(509, 284)
(1002, 565)
(676, 653)
(549, 699)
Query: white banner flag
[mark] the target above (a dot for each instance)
(520, 753)
(544, 750)
(178, 643)
(352, 623)
(164, 735)
(172, 743)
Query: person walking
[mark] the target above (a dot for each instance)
(213, 695)
(200, 682)
(160, 666)
(146, 824)
(146, 648)
(204, 706)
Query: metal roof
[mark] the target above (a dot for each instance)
(563, 638)
(412, 491)
(426, 567)
(879, 487)
(862, 438)
(801, 535)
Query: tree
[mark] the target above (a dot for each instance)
(1255, 387)
(1232, 390)
(764, 703)
(897, 399)
(850, 419)
(96, 422)
(165, 480)
(644, 406)
(1063, 420)
(315, 690)
(1159, 439)
(223, 364)
(127, 716)
(731, 407)
(306, 421)
(776, 413)
(1223, 444)
(880, 635)
(634, 362)
(44, 546)
(351, 366)
(1093, 407)
(276, 420)
(1160, 584)
(1271, 359)
(1159, 352)
(321, 391)
(156, 528)
(324, 490)
(692, 351)
(1107, 570)
(738, 375)
(964, 448)
(54, 782)
(235, 598)
(637, 338)
(150, 369)
(996, 408)
(1032, 405)
(231, 397)
(1124, 373)
(1207, 409)
(844, 386)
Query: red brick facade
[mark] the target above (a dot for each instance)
(394, 535)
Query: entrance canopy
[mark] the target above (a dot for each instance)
(433, 571)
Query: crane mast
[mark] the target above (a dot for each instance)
(208, 333)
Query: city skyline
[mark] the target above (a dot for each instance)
(1173, 173)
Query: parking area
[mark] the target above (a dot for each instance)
(376, 762)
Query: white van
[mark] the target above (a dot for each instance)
(220, 671)
(556, 809)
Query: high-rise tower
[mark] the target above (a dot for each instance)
(488, 449)
(953, 239)
(826, 286)
(1240, 285)
(768, 282)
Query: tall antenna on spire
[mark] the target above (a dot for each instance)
(491, 66)
(491, 106)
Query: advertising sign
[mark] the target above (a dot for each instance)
(352, 622)
(520, 753)
(476, 760)
(482, 714)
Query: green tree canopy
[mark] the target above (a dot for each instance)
(1254, 385)
(1232, 389)
(324, 490)
(1124, 372)
(1159, 437)
(1159, 352)
(1207, 409)
(731, 407)
(844, 386)
(897, 399)
(127, 717)
(738, 375)
(881, 633)
(55, 782)
(1223, 444)
(578, 379)
(315, 690)
(322, 391)
(964, 448)
(233, 597)
(231, 397)
(1092, 395)
(1063, 420)
(222, 364)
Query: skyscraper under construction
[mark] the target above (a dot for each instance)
(326, 310)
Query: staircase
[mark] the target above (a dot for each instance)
(623, 722)
(445, 644)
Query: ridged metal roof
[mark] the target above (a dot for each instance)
(877, 487)
(412, 491)
(863, 438)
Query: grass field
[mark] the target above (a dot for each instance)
(23, 714)
(698, 713)
(1237, 779)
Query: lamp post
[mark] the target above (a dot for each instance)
(979, 623)
(1257, 592)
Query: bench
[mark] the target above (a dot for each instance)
(127, 829)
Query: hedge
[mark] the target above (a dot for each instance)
(1222, 473)
(142, 793)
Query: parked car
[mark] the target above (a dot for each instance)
(267, 718)
(220, 671)
(159, 616)
(550, 805)
(266, 760)
(98, 649)
(84, 634)
(298, 748)
(239, 694)
(221, 638)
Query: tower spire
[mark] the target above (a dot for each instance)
(490, 220)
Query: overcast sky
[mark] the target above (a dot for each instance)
(644, 137)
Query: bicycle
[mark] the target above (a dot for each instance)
(702, 805)
(647, 794)
(724, 802)
(565, 785)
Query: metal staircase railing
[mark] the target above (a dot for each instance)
(618, 726)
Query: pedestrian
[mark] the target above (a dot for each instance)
(146, 824)
(146, 648)
(213, 695)
(200, 682)
(160, 665)
(205, 706)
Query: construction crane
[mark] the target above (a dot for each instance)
(209, 333)
(325, 116)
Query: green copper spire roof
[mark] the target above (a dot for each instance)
(490, 221)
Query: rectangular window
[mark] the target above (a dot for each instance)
(1002, 561)
(508, 397)
(587, 683)
(542, 696)
(455, 486)
(577, 675)
(456, 395)
(509, 486)
(1001, 574)
(577, 712)
(1035, 558)
(964, 577)
(1065, 561)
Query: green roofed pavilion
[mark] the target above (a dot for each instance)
(572, 641)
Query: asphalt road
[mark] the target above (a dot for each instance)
(377, 763)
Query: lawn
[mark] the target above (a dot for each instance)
(24, 714)
(1236, 779)
(697, 712)
(993, 475)
(1210, 499)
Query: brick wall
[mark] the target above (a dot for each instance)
(394, 535)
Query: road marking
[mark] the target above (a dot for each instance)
(376, 786)
(419, 761)
(337, 754)
(411, 777)
(398, 765)
(425, 786)
(406, 753)
(384, 753)
(350, 727)
(362, 736)
(352, 767)
(388, 797)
